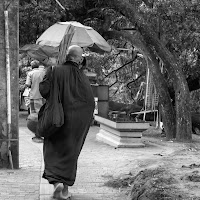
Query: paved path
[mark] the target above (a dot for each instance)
(24, 183)
(97, 163)
(93, 166)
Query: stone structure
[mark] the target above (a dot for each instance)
(13, 16)
(121, 134)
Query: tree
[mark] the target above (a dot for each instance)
(162, 30)
(156, 48)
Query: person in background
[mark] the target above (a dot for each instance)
(61, 150)
(33, 79)
(26, 96)
(49, 62)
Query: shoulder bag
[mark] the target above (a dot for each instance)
(51, 115)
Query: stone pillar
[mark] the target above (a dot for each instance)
(13, 15)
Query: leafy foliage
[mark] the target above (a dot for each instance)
(24, 68)
(177, 24)
(35, 17)
(119, 70)
(195, 101)
(178, 28)
(175, 21)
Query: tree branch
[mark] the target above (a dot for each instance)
(114, 71)
(60, 5)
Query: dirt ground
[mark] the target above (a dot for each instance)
(172, 174)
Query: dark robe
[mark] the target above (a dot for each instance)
(61, 150)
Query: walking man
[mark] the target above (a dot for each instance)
(61, 150)
(33, 79)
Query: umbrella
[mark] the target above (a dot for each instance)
(39, 52)
(84, 36)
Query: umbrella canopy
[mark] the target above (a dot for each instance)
(84, 36)
(39, 52)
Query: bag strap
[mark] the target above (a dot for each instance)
(53, 82)
(52, 69)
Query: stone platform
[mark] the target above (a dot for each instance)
(121, 134)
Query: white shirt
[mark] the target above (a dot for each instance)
(33, 79)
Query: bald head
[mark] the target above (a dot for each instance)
(74, 53)
(75, 50)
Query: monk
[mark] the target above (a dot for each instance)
(61, 150)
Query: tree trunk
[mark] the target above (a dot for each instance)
(9, 137)
(168, 113)
(182, 96)
(183, 116)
